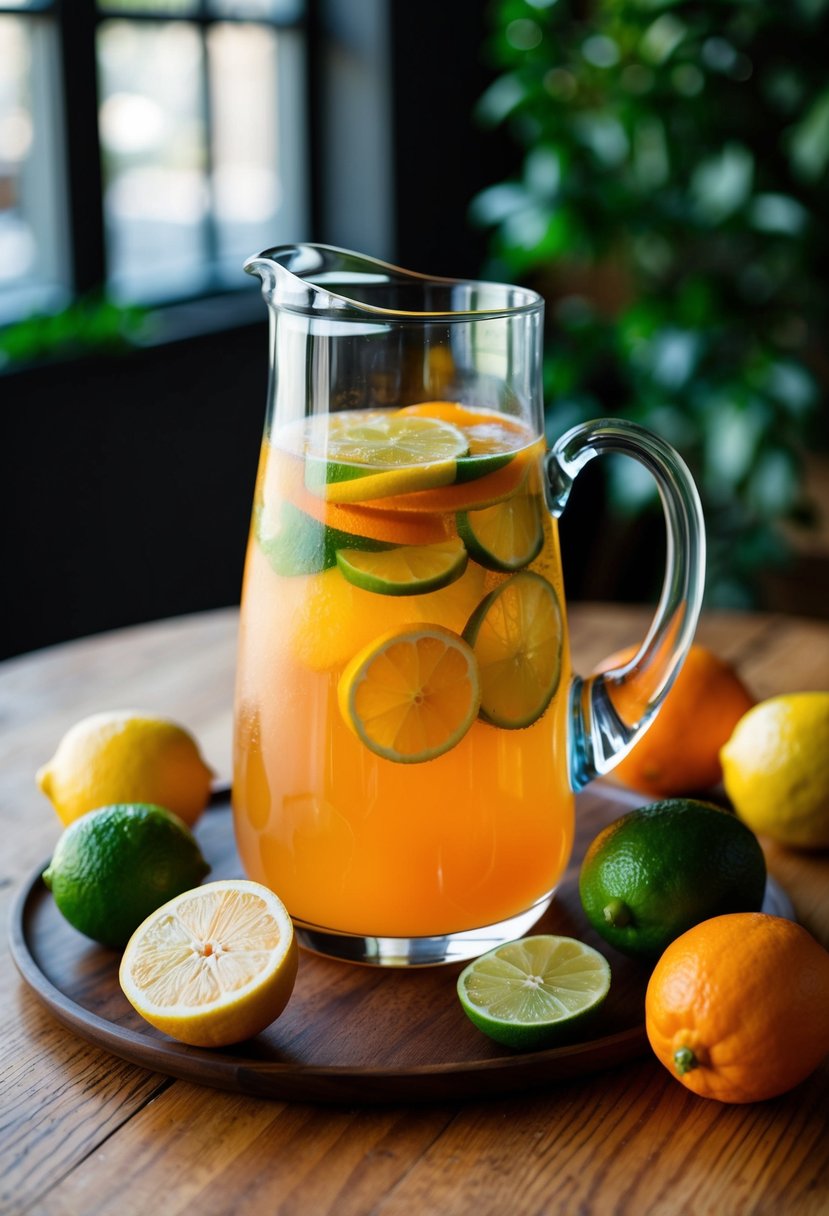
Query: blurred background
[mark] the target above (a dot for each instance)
(657, 169)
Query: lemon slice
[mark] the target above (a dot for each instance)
(412, 695)
(507, 536)
(359, 456)
(528, 993)
(407, 570)
(516, 634)
(213, 966)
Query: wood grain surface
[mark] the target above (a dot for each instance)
(349, 1034)
(83, 1132)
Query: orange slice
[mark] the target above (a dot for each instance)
(282, 478)
(462, 416)
(411, 695)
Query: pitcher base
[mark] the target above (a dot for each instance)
(418, 951)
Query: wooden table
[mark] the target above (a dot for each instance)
(83, 1133)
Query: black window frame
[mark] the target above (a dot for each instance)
(76, 24)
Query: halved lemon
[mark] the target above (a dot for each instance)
(407, 570)
(528, 993)
(213, 966)
(412, 694)
(505, 537)
(362, 455)
(516, 634)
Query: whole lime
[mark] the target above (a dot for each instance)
(665, 867)
(114, 866)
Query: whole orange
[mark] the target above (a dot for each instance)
(679, 752)
(737, 1008)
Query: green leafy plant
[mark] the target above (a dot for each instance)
(87, 325)
(671, 207)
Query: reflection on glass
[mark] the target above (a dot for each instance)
(261, 10)
(153, 140)
(31, 263)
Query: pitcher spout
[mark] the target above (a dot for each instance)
(290, 276)
(319, 280)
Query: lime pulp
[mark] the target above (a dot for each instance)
(528, 993)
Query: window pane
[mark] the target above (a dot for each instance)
(258, 10)
(256, 88)
(152, 8)
(32, 263)
(153, 142)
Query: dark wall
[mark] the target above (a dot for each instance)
(126, 485)
(443, 156)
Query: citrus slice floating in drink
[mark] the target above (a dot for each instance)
(359, 456)
(408, 570)
(303, 545)
(493, 438)
(516, 634)
(528, 993)
(411, 695)
(213, 966)
(505, 537)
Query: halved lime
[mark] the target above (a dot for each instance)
(411, 695)
(304, 545)
(528, 993)
(516, 634)
(407, 570)
(361, 455)
(507, 536)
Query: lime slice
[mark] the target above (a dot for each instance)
(516, 634)
(358, 456)
(412, 695)
(493, 438)
(507, 536)
(304, 545)
(407, 570)
(527, 994)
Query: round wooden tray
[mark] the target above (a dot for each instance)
(349, 1033)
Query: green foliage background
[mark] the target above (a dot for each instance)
(672, 207)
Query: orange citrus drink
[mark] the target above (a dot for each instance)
(401, 709)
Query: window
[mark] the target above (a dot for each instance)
(147, 146)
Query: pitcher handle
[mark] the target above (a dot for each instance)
(609, 712)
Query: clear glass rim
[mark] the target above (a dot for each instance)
(294, 278)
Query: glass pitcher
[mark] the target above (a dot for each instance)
(408, 731)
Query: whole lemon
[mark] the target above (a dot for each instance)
(126, 756)
(776, 769)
